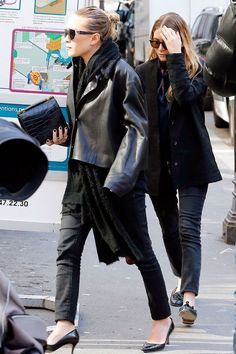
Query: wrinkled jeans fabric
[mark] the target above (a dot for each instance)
(73, 235)
(181, 229)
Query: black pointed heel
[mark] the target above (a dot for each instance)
(70, 338)
(154, 347)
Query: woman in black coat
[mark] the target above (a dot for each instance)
(105, 189)
(180, 157)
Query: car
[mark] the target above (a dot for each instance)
(224, 110)
(203, 33)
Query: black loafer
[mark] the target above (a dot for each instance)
(154, 347)
(176, 298)
(188, 313)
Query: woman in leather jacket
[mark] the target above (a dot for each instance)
(105, 189)
(180, 158)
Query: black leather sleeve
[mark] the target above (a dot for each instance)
(131, 156)
(185, 90)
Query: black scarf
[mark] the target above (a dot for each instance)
(102, 62)
(112, 238)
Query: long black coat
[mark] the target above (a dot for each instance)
(192, 159)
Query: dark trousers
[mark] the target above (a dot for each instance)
(181, 229)
(73, 235)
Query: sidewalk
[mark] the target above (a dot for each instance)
(213, 331)
(181, 342)
(114, 316)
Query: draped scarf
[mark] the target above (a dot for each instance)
(101, 63)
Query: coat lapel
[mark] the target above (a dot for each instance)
(91, 86)
(151, 94)
(152, 78)
(71, 101)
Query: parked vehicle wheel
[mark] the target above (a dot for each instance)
(219, 122)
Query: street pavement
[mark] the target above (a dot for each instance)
(113, 313)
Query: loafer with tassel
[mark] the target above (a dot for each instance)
(188, 313)
(176, 298)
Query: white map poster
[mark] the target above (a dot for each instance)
(34, 66)
(39, 62)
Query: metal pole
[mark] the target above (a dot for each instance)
(229, 224)
(234, 338)
(190, 13)
(101, 4)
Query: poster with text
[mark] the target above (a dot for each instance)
(34, 66)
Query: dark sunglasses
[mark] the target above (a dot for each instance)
(71, 33)
(155, 43)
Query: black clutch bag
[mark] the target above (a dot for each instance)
(39, 120)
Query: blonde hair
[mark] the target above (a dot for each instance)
(100, 21)
(177, 23)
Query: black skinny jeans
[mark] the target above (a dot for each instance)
(181, 229)
(73, 235)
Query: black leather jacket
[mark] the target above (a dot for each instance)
(111, 126)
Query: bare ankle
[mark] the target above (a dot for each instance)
(164, 321)
(65, 324)
(159, 330)
(178, 287)
(62, 328)
(190, 298)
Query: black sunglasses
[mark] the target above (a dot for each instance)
(155, 43)
(71, 33)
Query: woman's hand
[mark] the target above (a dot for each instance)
(59, 136)
(172, 39)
